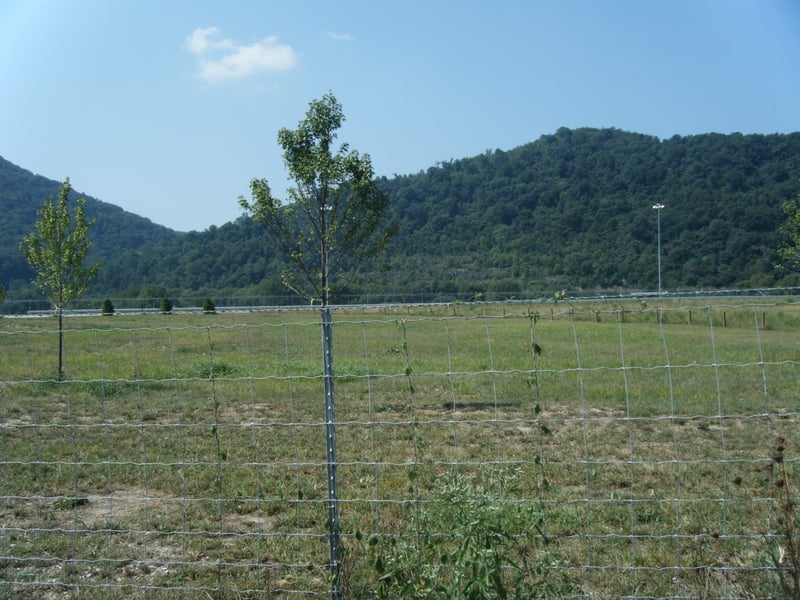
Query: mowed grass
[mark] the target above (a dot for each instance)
(185, 454)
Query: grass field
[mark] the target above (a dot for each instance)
(184, 455)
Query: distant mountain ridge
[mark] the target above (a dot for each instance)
(22, 194)
(575, 209)
(571, 209)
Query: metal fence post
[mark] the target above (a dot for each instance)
(330, 445)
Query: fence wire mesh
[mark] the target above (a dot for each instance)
(612, 451)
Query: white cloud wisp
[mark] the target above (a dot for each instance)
(220, 59)
(340, 37)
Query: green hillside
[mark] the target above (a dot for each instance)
(576, 208)
(22, 194)
(572, 209)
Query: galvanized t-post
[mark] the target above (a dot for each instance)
(330, 438)
(330, 421)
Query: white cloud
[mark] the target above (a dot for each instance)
(200, 40)
(340, 37)
(219, 58)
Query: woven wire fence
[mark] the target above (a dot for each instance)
(588, 451)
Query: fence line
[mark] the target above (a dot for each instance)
(235, 302)
(625, 453)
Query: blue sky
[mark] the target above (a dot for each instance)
(168, 108)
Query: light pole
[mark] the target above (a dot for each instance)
(658, 208)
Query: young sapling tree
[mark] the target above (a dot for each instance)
(335, 218)
(57, 251)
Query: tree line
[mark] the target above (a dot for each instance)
(569, 210)
(575, 208)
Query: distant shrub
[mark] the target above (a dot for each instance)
(166, 305)
(108, 307)
(208, 306)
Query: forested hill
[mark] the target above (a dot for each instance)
(572, 209)
(22, 194)
(575, 208)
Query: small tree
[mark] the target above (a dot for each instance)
(57, 251)
(165, 306)
(335, 218)
(107, 308)
(208, 306)
(790, 250)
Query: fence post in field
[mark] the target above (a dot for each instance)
(330, 447)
